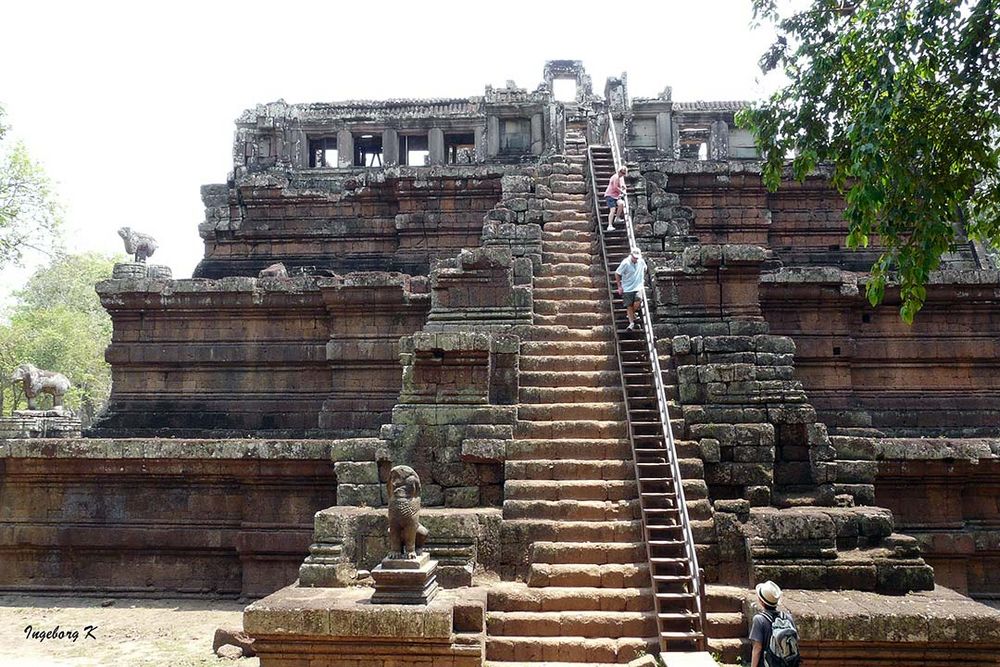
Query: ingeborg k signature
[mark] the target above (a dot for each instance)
(58, 633)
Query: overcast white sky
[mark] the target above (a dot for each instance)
(130, 105)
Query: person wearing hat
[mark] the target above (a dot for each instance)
(614, 194)
(771, 622)
(629, 276)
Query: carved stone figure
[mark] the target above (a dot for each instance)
(276, 270)
(406, 535)
(138, 244)
(36, 382)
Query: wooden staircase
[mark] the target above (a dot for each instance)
(670, 546)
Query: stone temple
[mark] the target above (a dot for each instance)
(591, 494)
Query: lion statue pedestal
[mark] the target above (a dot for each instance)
(58, 422)
(405, 581)
(407, 574)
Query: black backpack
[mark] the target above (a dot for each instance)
(782, 646)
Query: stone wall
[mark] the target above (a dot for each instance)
(741, 400)
(944, 493)
(242, 356)
(846, 628)
(160, 517)
(397, 219)
(320, 627)
(369, 312)
(865, 368)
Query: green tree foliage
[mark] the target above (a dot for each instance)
(29, 213)
(902, 98)
(57, 323)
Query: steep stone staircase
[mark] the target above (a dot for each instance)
(570, 491)
(724, 626)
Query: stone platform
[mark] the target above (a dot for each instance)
(405, 580)
(159, 516)
(938, 627)
(341, 627)
(464, 541)
(943, 492)
(55, 423)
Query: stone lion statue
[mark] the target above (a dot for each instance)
(406, 535)
(140, 245)
(36, 382)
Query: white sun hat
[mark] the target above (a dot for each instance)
(769, 593)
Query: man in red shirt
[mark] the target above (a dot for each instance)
(615, 195)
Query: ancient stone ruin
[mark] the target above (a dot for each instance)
(589, 494)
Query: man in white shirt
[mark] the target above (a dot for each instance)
(629, 276)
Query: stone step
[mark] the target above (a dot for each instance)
(551, 348)
(564, 412)
(562, 333)
(590, 293)
(510, 596)
(569, 205)
(563, 282)
(569, 469)
(690, 468)
(723, 625)
(588, 553)
(585, 246)
(699, 509)
(568, 183)
(703, 531)
(523, 449)
(547, 489)
(567, 270)
(549, 663)
(574, 575)
(572, 510)
(571, 623)
(581, 198)
(567, 649)
(561, 257)
(570, 306)
(535, 395)
(730, 650)
(570, 271)
(695, 489)
(590, 378)
(575, 531)
(568, 235)
(576, 225)
(574, 319)
(570, 363)
(572, 428)
(724, 599)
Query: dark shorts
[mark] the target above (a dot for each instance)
(631, 297)
(612, 202)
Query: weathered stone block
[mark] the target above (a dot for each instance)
(351, 472)
(358, 495)
(462, 496)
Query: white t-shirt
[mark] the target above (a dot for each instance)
(632, 273)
